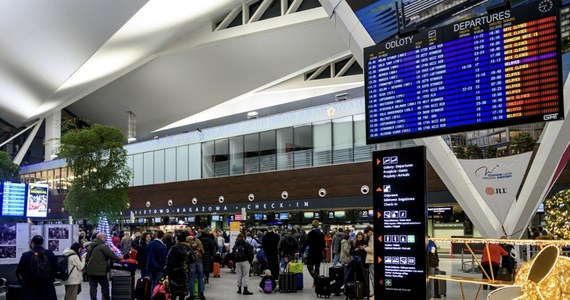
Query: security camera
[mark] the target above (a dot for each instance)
(251, 197)
(364, 189)
(169, 202)
(148, 204)
(284, 195)
(221, 199)
(322, 192)
(194, 201)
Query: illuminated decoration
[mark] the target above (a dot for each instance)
(555, 285)
(499, 69)
(104, 228)
(556, 214)
(543, 243)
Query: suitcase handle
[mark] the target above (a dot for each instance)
(324, 265)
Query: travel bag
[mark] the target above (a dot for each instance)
(336, 274)
(287, 282)
(323, 283)
(122, 287)
(216, 273)
(142, 289)
(440, 286)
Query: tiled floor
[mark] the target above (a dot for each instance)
(225, 287)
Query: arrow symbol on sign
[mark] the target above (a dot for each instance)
(379, 259)
(381, 281)
(380, 239)
(379, 189)
(379, 215)
(378, 161)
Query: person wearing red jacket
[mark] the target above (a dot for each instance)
(494, 253)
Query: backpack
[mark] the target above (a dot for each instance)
(268, 286)
(291, 245)
(62, 271)
(195, 253)
(239, 253)
(40, 266)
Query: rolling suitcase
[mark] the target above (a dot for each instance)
(216, 273)
(299, 281)
(256, 268)
(323, 283)
(122, 287)
(356, 285)
(14, 292)
(287, 282)
(440, 286)
(142, 289)
(355, 290)
(336, 274)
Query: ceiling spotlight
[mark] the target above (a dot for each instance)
(131, 140)
(252, 115)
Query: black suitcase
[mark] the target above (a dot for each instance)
(287, 282)
(355, 290)
(122, 287)
(336, 274)
(142, 289)
(14, 292)
(440, 286)
(323, 286)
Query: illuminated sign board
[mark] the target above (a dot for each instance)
(496, 70)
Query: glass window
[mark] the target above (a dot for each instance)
(170, 165)
(138, 169)
(303, 146)
(236, 155)
(208, 159)
(158, 166)
(57, 179)
(222, 158)
(285, 148)
(342, 140)
(251, 153)
(65, 178)
(181, 163)
(322, 143)
(148, 168)
(267, 151)
(361, 150)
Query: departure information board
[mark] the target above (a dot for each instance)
(14, 199)
(499, 69)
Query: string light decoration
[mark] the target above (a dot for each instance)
(555, 286)
(104, 227)
(556, 214)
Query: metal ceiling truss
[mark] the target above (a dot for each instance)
(248, 16)
(343, 64)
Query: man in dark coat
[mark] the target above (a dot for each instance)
(156, 258)
(316, 243)
(269, 245)
(209, 244)
(177, 267)
(33, 287)
(97, 265)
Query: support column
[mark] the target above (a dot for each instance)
(52, 136)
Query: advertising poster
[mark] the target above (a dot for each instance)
(234, 231)
(400, 223)
(58, 237)
(8, 253)
(37, 200)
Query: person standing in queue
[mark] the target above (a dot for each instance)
(316, 243)
(209, 249)
(269, 245)
(97, 264)
(196, 266)
(36, 271)
(141, 253)
(243, 256)
(178, 267)
(156, 258)
(75, 267)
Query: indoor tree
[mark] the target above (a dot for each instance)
(522, 142)
(8, 169)
(556, 214)
(97, 158)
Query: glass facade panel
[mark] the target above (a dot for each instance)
(342, 140)
(208, 159)
(267, 151)
(322, 143)
(170, 165)
(138, 169)
(362, 151)
(285, 148)
(236, 155)
(303, 146)
(222, 158)
(182, 163)
(159, 166)
(251, 153)
(148, 168)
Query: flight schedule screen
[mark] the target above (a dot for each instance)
(500, 69)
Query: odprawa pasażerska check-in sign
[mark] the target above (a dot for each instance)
(496, 70)
(400, 205)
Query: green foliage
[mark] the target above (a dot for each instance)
(8, 169)
(473, 151)
(556, 214)
(460, 152)
(98, 160)
(522, 142)
(490, 152)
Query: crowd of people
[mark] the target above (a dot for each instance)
(186, 257)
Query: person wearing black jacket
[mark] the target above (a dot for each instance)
(209, 244)
(32, 287)
(243, 256)
(316, 243)
(177, 267)
(269, 245)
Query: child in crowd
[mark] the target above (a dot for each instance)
(268, 284)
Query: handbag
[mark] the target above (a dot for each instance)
(160, 291)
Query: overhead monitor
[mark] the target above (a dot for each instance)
(339, 214)
(216, 218)
(191, 219)
(496, 70)
(238, 217)
(284, 216)
(37, 200)
(14, 199)
(442, 211)
(257, 217)
(308, 215)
